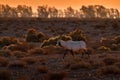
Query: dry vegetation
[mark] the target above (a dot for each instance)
(34, 55)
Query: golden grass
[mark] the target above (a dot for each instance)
(23, 47)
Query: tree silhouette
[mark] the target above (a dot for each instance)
(90, 11)
(24, 11)
(60, 13)
(69, 12)
(42, 11)
(53, 12)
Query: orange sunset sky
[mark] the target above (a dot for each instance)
(62, 4)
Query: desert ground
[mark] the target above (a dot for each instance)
(23, 58)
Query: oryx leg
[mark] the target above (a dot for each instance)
(65, 53)
(71, 51)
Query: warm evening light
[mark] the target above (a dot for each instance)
(59, 39)
(62, 4)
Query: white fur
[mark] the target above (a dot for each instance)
(73, 45)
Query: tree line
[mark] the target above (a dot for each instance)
(45, 11)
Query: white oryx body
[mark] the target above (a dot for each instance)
(74, 46)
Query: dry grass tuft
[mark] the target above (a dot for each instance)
(5, 41)
(53, 50)
(53, 40)
(77, 35)
(56, 75)
(5, 53)
(112, 69)
(6, 75)
(23, 46)
(103, 48)
(34, 36)
(4, 61)
(17, 63)
(29, 60)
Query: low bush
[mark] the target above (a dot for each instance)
(53, 40)
(5, 41)
(77, 35)
(36, 51)
(103, 48)
(34, 36)
(23, 47)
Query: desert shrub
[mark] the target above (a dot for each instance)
(17, 63)
(115, 47)
(36, 51)
(5, 53)
(109, 60)
(103, 48)
(117, 39)
(5, 41)
(42, 69)
(112, 42)
(107, 41)
(53, 40)
(53, 50)
(56, 75)
(18, 54)
(34, 36)
(29, 60)
(77, 35)
(109, 70)
(4, 61)
(6, 75)
(79, 65)
(23, 47)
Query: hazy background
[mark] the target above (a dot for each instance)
(62, 4)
